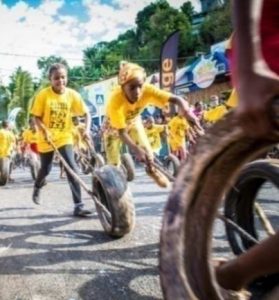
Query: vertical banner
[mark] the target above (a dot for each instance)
(12, 116)
(168, 62)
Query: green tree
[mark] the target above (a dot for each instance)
(44, 63)
(188, 9)
(157, 30)
(76, 77)
(142, 44)
(5, 97)
(23, 90)
(217, 26)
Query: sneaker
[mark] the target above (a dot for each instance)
(36, 195)
(79, 211)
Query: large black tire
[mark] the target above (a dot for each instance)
(128, 166)
(95, 160)
(240, 200)
(100, 161)
(172, 163)
(4, 170)
(186, 236)
(111, 189)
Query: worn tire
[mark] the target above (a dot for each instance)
(239, 202)
(96, 161)
(111, 189)
(186, 271)
(100, 161)
(171, 161)
(4, 170)
(128, 166)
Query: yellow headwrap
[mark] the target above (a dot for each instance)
(129, 71)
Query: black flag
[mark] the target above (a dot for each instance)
(168, 62)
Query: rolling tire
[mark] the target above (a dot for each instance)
(100, 161)
(4, 170)
(96, 161)
(172, 163)
(239, 202)
(111, 189)
(128, 166)
(186, 271)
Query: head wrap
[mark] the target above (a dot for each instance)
(129, 71)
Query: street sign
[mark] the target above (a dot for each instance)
(99, 99)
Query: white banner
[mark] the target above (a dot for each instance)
(13, 114)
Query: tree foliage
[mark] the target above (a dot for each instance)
(44, 63)
(5, 97)
(217, 26)
(22, 93)
(140, 44)
(188, 9)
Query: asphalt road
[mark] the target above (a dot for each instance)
(47, 254)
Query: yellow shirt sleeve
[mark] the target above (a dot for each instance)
(37, 108)
(215, 114)
(233, 99)
(159, 128)
(155, 96)
(78, 106)
(115, 111)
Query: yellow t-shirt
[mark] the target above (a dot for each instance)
(29, 136)
(215, 114)
(56, 112)
(7, 141)
(178, 127)
(233, 99)
(121, 113)
(153, 135)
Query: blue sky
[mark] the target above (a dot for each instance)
(36, 28)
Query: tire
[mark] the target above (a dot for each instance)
(172, 163)
(186, 235)
(240, 200)
(128, 166)
(111, 189)
(4, 170)
(100, 161)
(97, 160)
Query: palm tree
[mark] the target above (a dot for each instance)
(5, 97)
(22, 92)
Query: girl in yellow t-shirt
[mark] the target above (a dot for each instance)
(30, 137)
(178, 128)
(153, 132)
(7, 143)
(124, 107)
(53, 109)
(7, 140)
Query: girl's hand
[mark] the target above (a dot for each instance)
(86, 135)
(193, 119)
(141, 155)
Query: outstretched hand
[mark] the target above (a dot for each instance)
(142, 156)
(194, 121)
